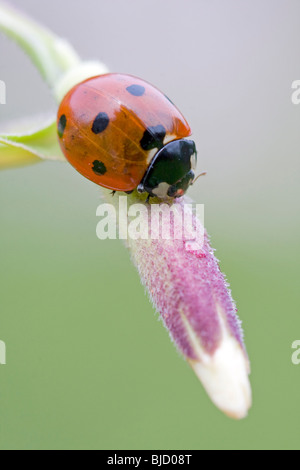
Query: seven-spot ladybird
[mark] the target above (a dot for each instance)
(122, 133)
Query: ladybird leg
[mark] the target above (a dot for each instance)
(113, 193)
(148, 199)
(201, 174)
(129, 192)
(140, 189)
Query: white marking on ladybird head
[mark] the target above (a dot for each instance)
(161, 190)
(169, 138)
(193, 161)
(151, 155)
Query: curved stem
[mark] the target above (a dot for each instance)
(51, 55)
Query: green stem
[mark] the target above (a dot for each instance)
(60, 67)
(51, 55)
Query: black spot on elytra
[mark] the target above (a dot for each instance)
(100, 123)
(136, 90)
(153, 137)
(61, 125)
(99, 168)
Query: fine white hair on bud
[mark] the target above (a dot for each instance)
(191, 294)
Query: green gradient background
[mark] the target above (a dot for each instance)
(88, 363)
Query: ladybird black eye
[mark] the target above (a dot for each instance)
(61, 125)
(100, 123)
(153, 137)
(99, 168)
(136, 90)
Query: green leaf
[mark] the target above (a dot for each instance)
(30, 147)
(11, 157)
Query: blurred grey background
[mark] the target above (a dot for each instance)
(91, 368)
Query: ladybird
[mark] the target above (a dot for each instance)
(123, 134)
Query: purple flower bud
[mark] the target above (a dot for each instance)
(191, 294)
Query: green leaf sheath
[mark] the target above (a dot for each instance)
(11, 157)
(42, 144)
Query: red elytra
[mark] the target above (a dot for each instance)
(111, 126)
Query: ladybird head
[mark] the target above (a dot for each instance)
(171, 171)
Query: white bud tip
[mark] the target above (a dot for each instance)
(225, 378)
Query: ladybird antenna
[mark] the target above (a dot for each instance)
(201, 174)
